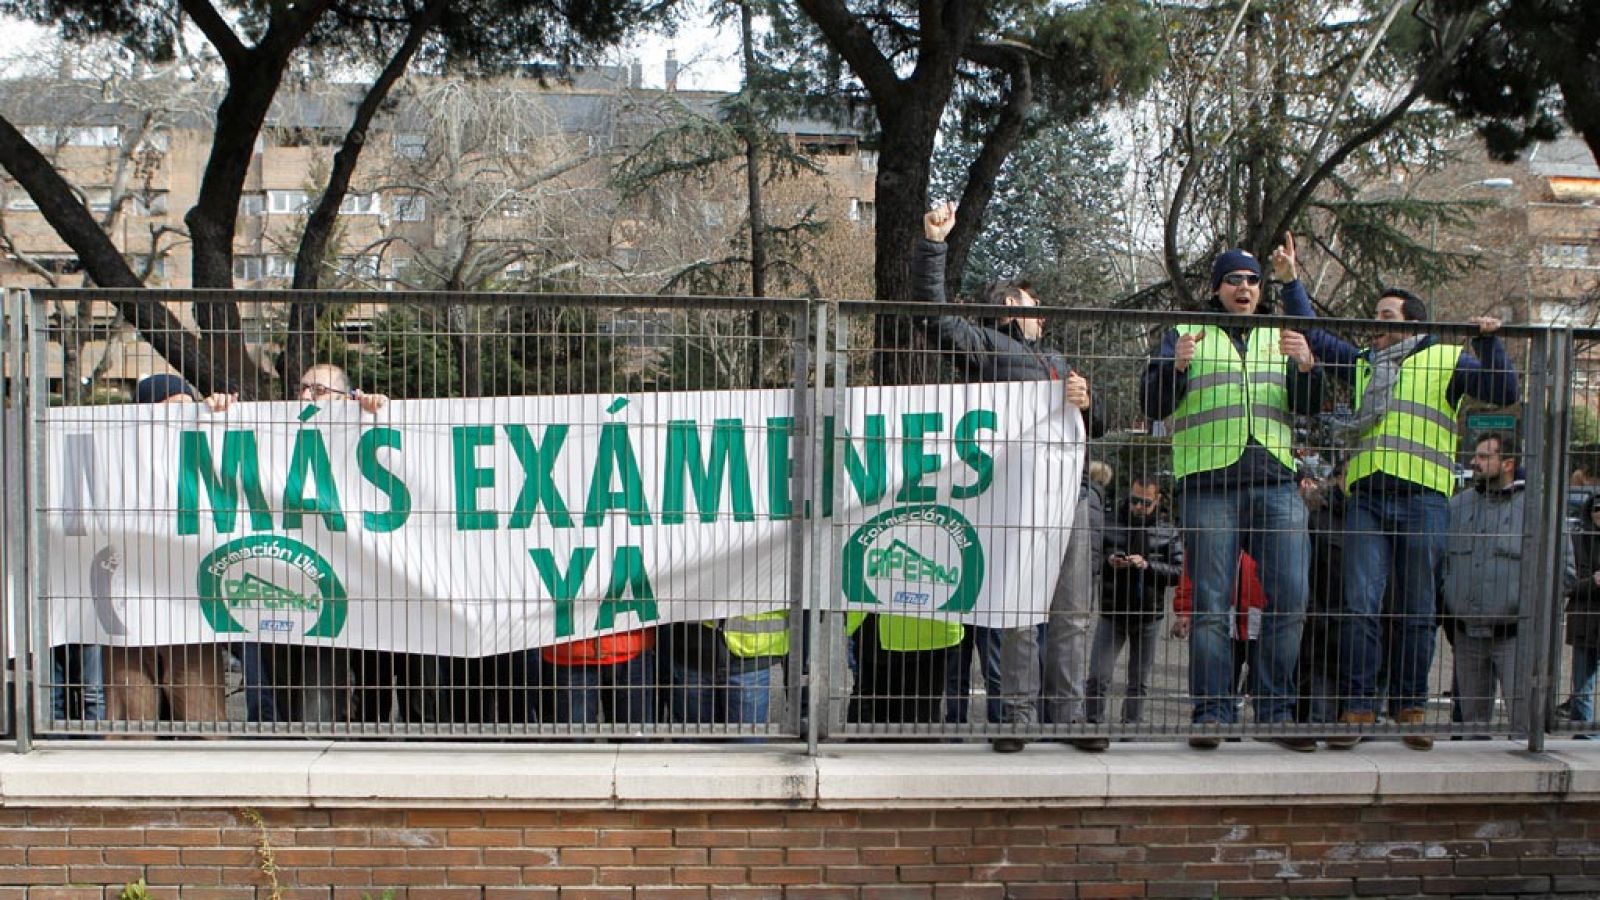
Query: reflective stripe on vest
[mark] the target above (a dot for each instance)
(763, 634)
(1231, 399)
(1416, 439)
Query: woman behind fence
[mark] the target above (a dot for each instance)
(1009, 349)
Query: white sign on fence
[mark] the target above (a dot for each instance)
(476, 527)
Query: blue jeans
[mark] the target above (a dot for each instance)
(985, 643)
(1269, 523)
(1585, 663)
(750, 690)
(1403, 534)
(620, 694)
(80, 683)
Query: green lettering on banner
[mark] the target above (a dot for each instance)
(615, 458)
(470, 478)
(916, 426)
(311, 455)
(563, 589)
(537, 486)
(240, 469)
(705, 476)
(780, 434)
(384, 480)
(972, 453)
(627, 578)
(869, 476)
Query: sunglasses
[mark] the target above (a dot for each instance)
(321, 390)
(1238, 278)
(1142, 501)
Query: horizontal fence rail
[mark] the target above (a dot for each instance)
(599, 518)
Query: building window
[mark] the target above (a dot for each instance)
(252, 204)
(288, 202)
(99, 199)
(19, 200)
(280, 266)
(359, 205)
(409, 145)
(157, 266)
(248, 268)
(1565, 256)
(359, 266)
(410, 207)
(49, 137)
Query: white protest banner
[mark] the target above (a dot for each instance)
(477, 527)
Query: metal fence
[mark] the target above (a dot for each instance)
(461, 623)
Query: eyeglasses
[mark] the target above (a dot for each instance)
(316, 389)
(1142, 501)
(1238, 278)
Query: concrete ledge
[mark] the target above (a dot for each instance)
(325, 774)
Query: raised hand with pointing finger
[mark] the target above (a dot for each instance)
(1184, 353)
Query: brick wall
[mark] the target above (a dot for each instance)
(940, 854)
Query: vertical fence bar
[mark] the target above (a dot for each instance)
(16, 513)
(817, 659)
(32, 487)
(1547, 476)
(800, 584)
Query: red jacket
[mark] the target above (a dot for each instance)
(1247, 595)
(608, 650)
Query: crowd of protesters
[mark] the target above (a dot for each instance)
(1306, 597)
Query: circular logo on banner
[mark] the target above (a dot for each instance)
(275, 581)
(915, 559)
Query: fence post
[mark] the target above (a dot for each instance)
(800, 430)
(1549, 393)
(818, 679)
(19, 378)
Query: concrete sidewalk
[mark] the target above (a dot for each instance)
(346, 774)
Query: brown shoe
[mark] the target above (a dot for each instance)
(1350, 717)
(1414, 717)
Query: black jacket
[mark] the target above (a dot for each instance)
(1140, 592)
(1583, 604)
(988, 352)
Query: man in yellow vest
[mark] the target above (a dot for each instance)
(1231, 391)
(1407, 392)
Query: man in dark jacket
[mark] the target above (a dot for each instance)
(1009, 350)
(1583, 613)
(1143, 557)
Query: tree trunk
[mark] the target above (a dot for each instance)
(752, 168)
(299, 346)
(902, 192)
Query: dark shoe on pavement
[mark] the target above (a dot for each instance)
(1351, 717)
(1090, 744)
(1205, 742)
(1414, 717)
(1297, 744)
(1008, 745)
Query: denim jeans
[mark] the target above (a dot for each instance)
(1141, 634)
(750, 690)
(1269, 523)
(985, 644)
(1402, 534)
(1585, 663)
(619, 694)
(80, 682)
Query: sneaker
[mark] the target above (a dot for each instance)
(1414, 717)
(1205, 742)
(1008, 745)
(1297, 744)
(1090, 744)
(1351, 717)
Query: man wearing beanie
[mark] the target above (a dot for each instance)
(1232, 390)
(1408, 388)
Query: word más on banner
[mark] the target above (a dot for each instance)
(473, 527)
